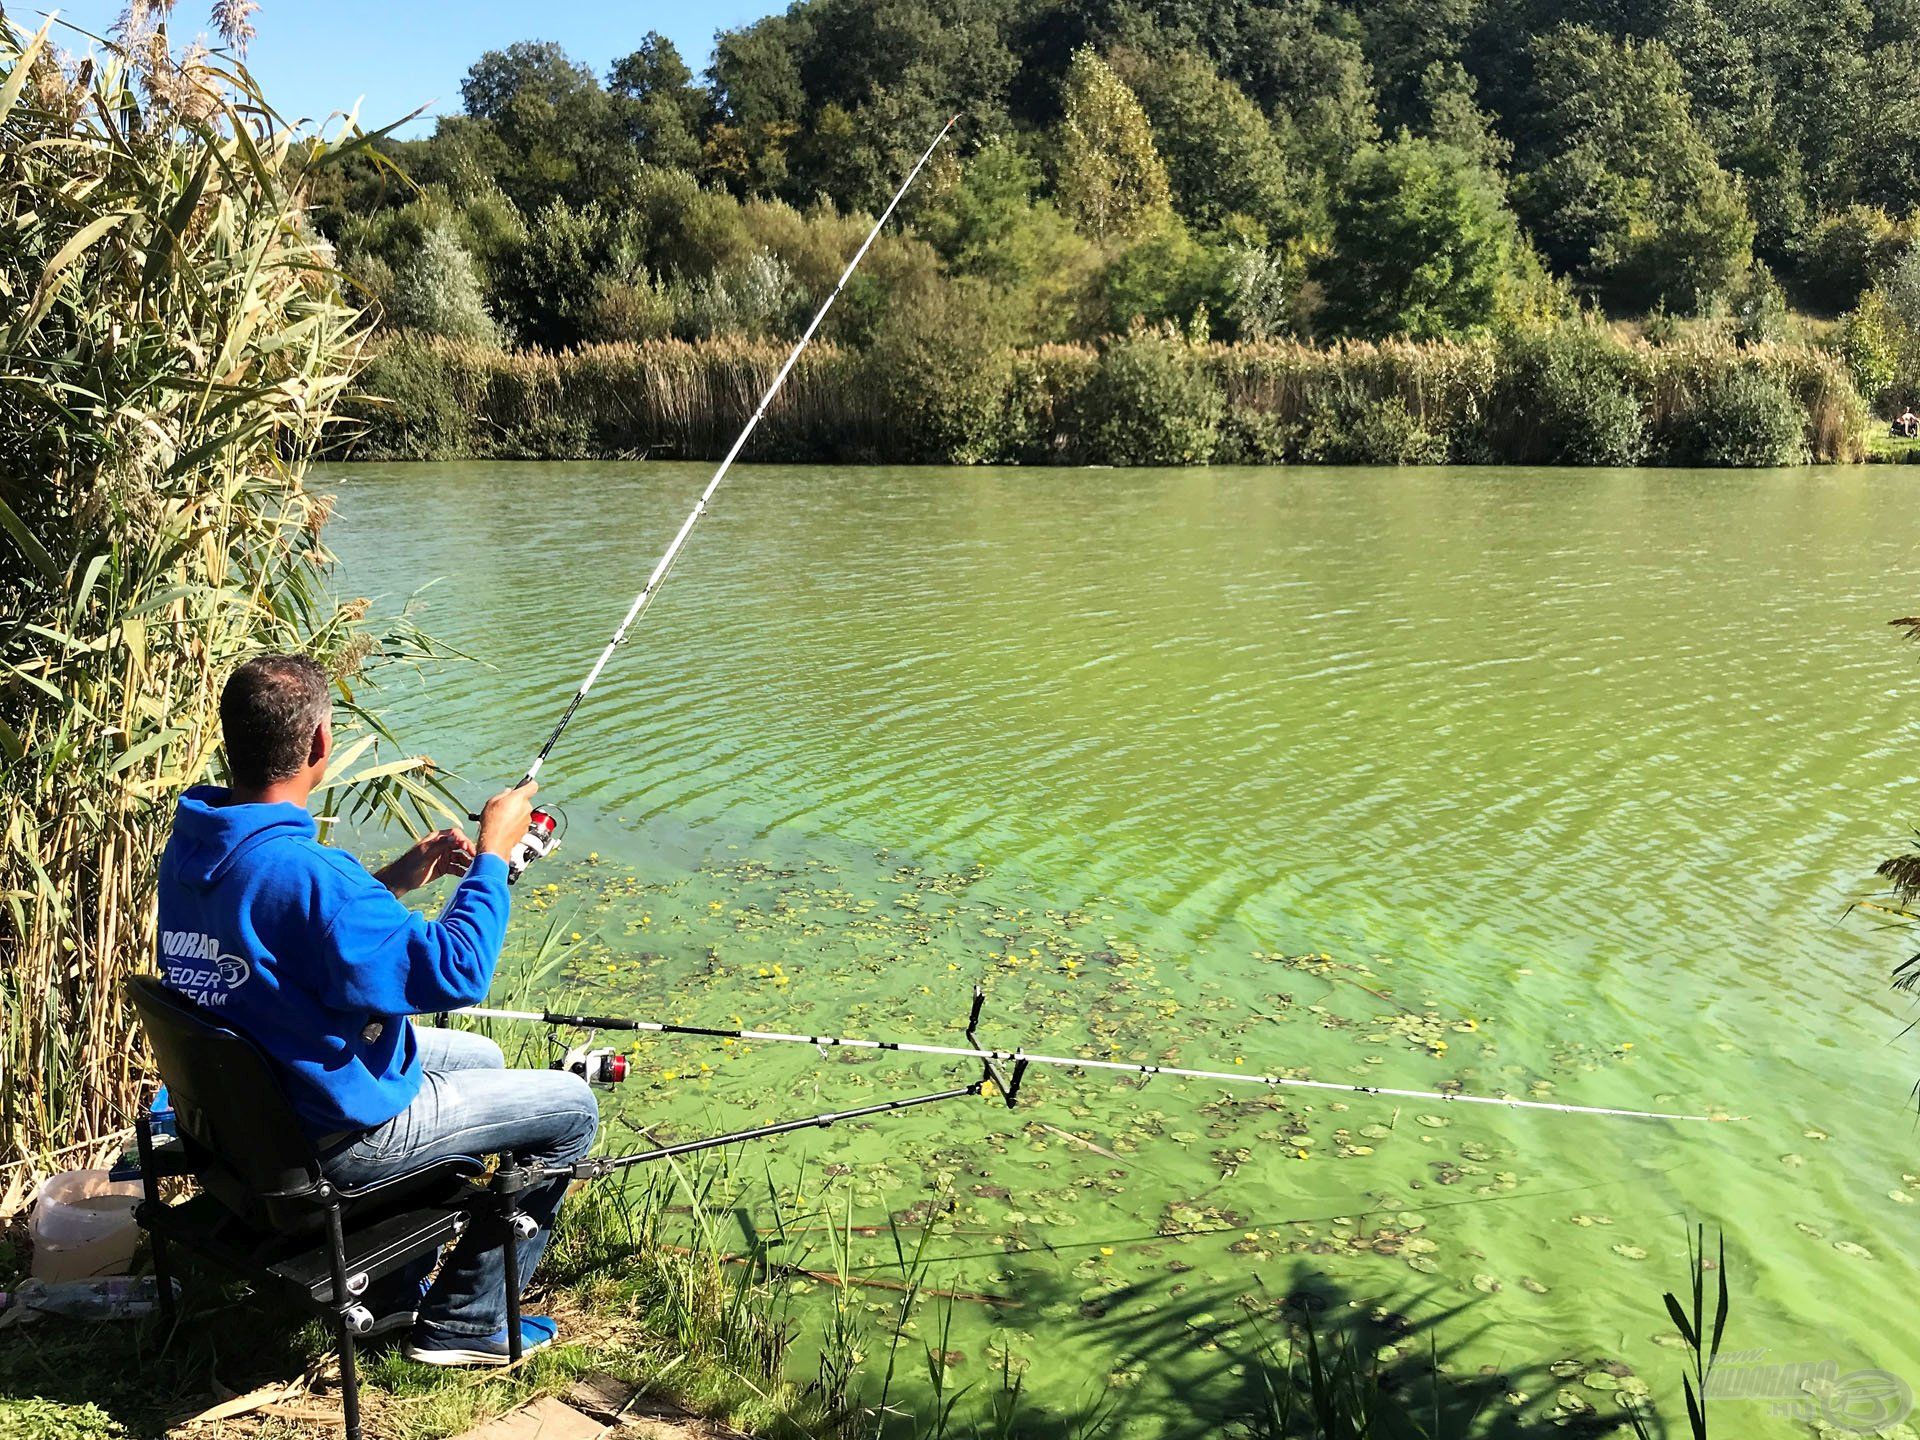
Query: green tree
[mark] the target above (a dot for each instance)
(758, 102)
(1302, 62)
(553, 290)
(1760, 309)
(1870, 343)
(1900, 288)
(1405, 40)
(1423, 243)
(1165, 275)
(561, 134)
(1886, 161)
(1846, 253)
(1622, 190)
(1222, 156)
(663, 108)
(1452, 116)
(438, 291)
(1149, 402)
(989, 226)
(1112, 183)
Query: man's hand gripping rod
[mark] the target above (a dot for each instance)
(538, 841)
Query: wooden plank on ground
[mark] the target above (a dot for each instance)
(602, 1396)
(542, 1419)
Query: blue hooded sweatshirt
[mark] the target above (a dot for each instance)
(298, 948)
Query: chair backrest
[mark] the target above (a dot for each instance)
(243, 1137)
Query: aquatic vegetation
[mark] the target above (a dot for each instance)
(1106, 1202)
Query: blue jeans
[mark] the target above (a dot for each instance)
(471, 1104)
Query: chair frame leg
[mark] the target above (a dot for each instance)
(342, 1303)
(156, 1241)
(510, 1216)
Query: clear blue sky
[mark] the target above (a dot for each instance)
(316, 56)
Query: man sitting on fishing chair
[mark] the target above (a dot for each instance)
(316, 961)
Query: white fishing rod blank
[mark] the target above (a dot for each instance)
(1023, 1058)
(665, 564)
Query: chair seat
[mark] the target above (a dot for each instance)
(373, 1249)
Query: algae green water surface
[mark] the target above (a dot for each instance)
(1549, 783)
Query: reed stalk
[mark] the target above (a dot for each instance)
(172, 346)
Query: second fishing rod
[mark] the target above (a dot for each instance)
(547, 826)
(1007, 1083)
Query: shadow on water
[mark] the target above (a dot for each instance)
(1285, 1353)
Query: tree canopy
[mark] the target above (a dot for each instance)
(1363, 167)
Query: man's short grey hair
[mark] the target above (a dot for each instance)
(268, 714)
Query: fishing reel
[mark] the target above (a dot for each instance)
(605, 1066)
(540, 841)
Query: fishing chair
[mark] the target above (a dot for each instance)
(265, 1210)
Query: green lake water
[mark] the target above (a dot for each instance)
(1536, 783)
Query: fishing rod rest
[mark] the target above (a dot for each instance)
(1006, 1087)
(509, 1181)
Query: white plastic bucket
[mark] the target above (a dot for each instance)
(82, 1226)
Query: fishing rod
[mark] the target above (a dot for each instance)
(541, 840)
(1022, 1059)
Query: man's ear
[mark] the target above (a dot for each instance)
(322, 746)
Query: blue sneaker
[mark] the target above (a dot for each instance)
(536, 1331)
(396, 1306)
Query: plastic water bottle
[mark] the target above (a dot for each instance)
(160, 1125)
(120, 1298)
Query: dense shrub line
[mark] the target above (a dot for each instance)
(937, 393)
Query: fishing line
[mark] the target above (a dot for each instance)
(665, 564)
(1023, 1058)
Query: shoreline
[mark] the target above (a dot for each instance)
(1568, 396)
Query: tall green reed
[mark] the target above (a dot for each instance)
(173, 343)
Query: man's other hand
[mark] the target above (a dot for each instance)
(444, 852)
(504, 819)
